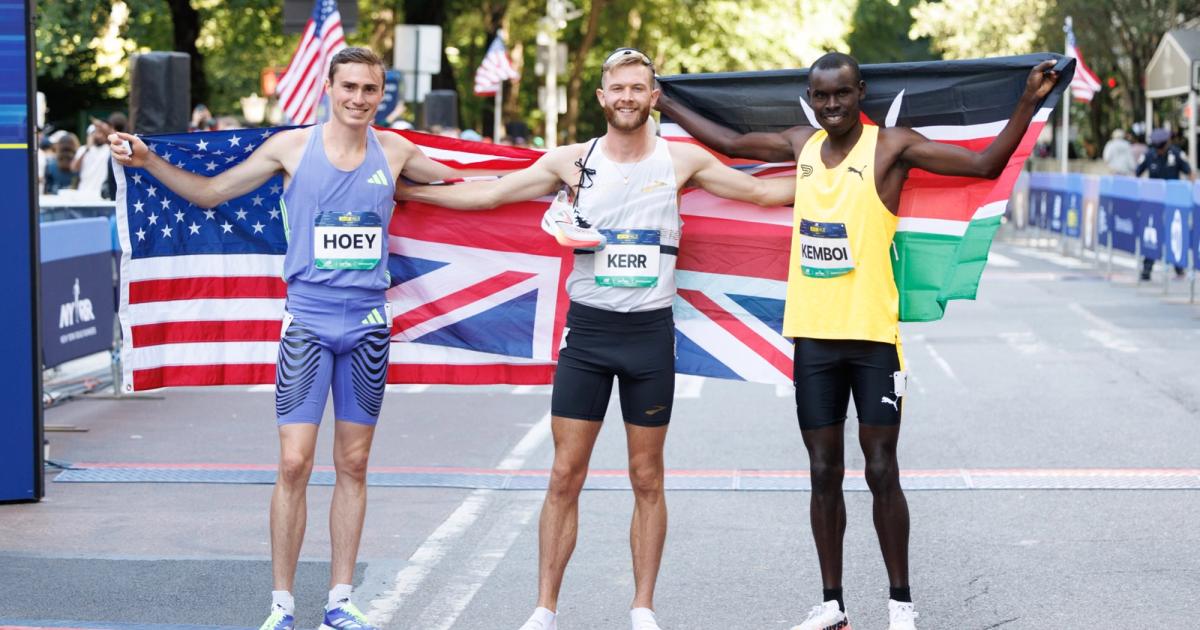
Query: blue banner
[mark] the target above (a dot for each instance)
(1177, 217)
(1126, 199)
(77, 289)
(391, 96)
(20, 372)
(1196, 226)
(1073, 206)
(1150, 217)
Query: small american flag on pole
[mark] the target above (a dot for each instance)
(495, 69)
(300, 87)
(1085, 84)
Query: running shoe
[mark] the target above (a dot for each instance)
(643, 619)
(346, 617)
(826, 616)
(536, 621)
(279, 620)
(568, 229)
(901, 615)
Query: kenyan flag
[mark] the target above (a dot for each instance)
(946, 223)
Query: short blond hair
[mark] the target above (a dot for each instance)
(626, 57)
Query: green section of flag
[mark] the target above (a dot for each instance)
(932, 269)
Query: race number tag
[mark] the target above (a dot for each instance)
(347, 240)
(824, 249)
(630, 259)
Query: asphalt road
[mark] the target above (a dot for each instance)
(1049, 450)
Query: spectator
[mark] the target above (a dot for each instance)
(202, 119)
(1162, 161)
(92, 160)
(470, 134)
(1118, 154)
(45, 154)
(59, 174)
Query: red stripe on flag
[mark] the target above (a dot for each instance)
(207, 331)
(738, 329)
(201, 375)
(514, 227)
(165, 290)
(736, 248)
(483, 374)
(457, 300)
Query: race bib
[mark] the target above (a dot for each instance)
(347, 240)
(629, 259)
(824, 249)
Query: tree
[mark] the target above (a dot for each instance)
(65, 58)
(879, 33)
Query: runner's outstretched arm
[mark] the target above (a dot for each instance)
(764, 146)
(541, 178)
(946, 159)
(205, 192)
(704, 170)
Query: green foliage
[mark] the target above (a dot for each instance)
(66, 59)
(880, 33)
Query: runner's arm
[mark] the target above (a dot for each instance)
(541, 178)
(767, 147)
(946, 159)
(205, 192)
(707, 172)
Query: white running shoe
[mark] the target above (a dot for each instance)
(901, 615)
(541, 619)
(825, 616)
(561, 223)
(643, 619)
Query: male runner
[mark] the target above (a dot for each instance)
(842, 304)
(339, 180)
(626, 184)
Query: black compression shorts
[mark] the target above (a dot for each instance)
(637, 348)
(828, 371)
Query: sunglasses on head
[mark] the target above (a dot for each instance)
(625, 52)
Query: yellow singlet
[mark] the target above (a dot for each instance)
(840, 282)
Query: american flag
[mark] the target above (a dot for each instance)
(301, 86)
(1085, 84)
(495, 69)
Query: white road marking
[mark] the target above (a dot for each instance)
(942, 363)
(688, 386)
(1023, 342)
(453, 599)
(1105, 333)
(431, 552)
(996, 259)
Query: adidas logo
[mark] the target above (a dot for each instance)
(378, 178)
(374, 318)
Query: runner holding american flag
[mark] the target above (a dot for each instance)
(842, 305)
(339, 184)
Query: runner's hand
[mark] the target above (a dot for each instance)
(1040, 81)
(128, 149)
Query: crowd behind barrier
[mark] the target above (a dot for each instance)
(1151, 218)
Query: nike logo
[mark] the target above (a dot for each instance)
(857, 171)
(654, 184)
(378, 178)
(655, 409)
(891, 402)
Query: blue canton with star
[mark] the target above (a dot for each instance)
(162, 223)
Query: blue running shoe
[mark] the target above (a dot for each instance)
(346, 617)
(279, 621)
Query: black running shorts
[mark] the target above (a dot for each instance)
(637, 348)
(828, 371)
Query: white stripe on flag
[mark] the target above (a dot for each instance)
(229, 310)
(202, 265)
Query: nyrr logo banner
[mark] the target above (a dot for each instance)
(77, 307)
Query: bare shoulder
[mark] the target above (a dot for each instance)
(900, 136)
(561, 160)
(393, 143)
(290, 139)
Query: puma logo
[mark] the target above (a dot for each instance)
(857, 171)
(805, 170)
(655, 409)
(891, 402)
